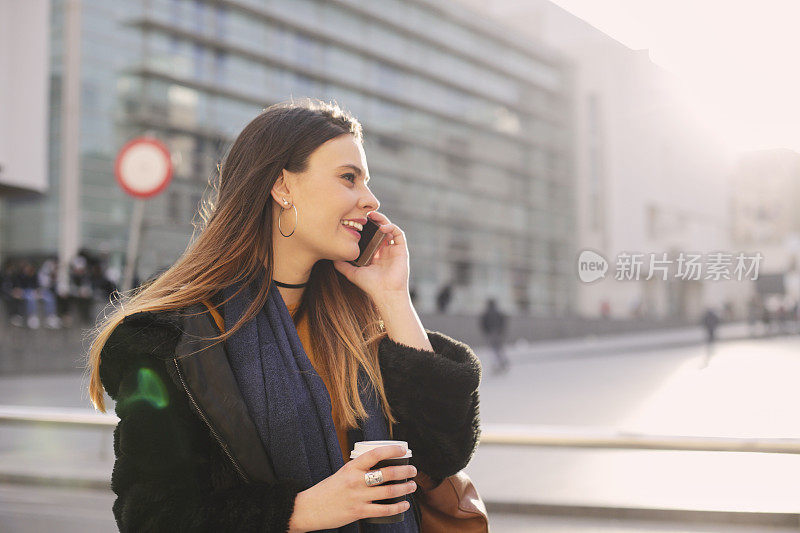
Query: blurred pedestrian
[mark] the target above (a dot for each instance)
(443, 298)
(80, 288)
(796, 317)
(728, 311)
(28, 284)
(11, 295)
(753, 313)
(784, 316)
(605, 310)
(766, 318)
(101, 279)
(710, 322)
(46, 277)
(493, 324)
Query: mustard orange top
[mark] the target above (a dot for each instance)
(305, 338)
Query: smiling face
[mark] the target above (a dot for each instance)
(333, 188)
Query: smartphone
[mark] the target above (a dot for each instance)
(371, 239)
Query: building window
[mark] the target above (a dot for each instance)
(388, 79)
(595, 169)
(462, 266)
(457, 158)
(387, 114)
(200, 167)
(175, 12)
(304, 50)
(220, 22)
(199, 15)
(652, 221)
(554, 253)
(462, 273)
(196, 200)
(220, 62)
(184, 149)
(173, 206)
(197, 60)
(390, 144)
(303, 86)
(521, 280)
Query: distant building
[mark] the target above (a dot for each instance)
(765, 216)
(466, 125)
(650, 178)
(766, 187)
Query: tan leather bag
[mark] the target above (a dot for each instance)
(454, 505)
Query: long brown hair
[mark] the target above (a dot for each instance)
(235, 241)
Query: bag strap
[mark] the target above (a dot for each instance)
(217, 317)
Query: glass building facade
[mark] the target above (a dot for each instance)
(466, 130)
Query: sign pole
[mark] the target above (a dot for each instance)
(133, 244)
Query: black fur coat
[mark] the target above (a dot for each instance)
(170, 474)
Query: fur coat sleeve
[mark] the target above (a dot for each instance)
(434, 397)
(169, 473)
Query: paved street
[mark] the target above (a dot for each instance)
(747, 388)
(26, 509)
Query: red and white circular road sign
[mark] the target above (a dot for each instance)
(143, 167)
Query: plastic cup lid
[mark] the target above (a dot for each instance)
(366, 445)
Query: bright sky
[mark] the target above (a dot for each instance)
(738, 58)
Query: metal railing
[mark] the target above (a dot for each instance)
(491, 434)
(590, 437)
(56, 416)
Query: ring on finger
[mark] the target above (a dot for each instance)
(373, 477)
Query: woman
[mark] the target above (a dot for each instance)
(254, 434)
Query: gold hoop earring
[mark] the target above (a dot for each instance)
(295, 219)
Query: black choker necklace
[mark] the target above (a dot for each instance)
(289, 285)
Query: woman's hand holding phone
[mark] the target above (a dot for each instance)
(388, 271)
